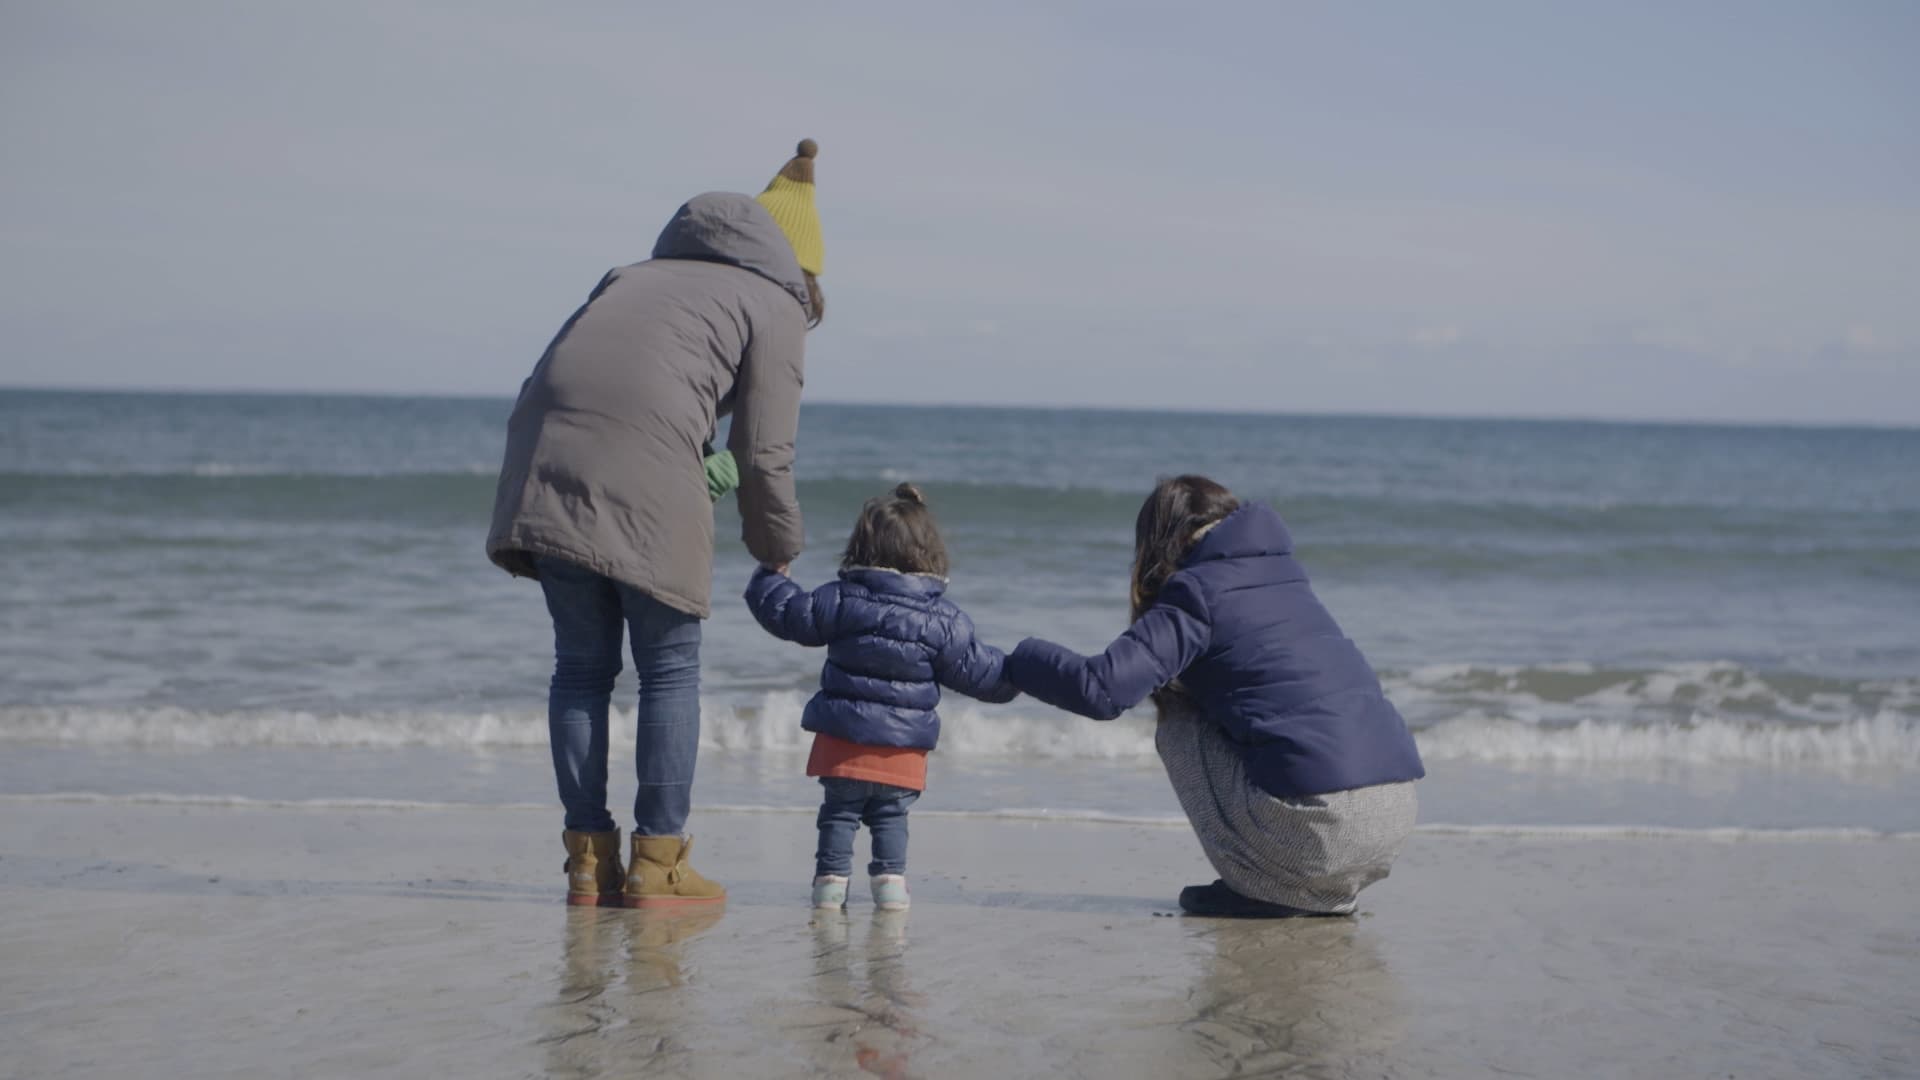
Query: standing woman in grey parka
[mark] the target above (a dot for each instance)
(605, 498)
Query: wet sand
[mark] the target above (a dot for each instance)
(144, 940)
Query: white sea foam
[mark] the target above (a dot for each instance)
(771, 724)
(242, 802)
(1563, 694)
(221, 469)
(192, 729)
(1879, 742)
(1012, 814)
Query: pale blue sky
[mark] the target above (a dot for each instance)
(1630, 210)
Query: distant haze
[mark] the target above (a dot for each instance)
(1708, 210)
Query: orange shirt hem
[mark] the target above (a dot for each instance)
(896, 765)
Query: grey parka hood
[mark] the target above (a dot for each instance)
(725, 227)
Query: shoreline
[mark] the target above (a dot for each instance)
(1598, 831)
(257, 940)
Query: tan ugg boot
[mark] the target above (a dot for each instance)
(593, 869)
(658, 875)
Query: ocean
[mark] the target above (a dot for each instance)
(1589, 625)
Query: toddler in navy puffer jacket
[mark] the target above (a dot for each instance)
(892, 642)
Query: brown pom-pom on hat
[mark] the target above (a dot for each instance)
(799, 168)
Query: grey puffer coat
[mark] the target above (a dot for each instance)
(603, 460)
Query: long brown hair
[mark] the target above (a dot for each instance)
(896, 531)
(816, 300)
(1165, 530)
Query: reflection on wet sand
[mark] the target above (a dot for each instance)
(873, 1020)
(590, 1030)
(1491, 956)
(638, 993)
(1307, 996)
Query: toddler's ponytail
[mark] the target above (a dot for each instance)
(896, 531)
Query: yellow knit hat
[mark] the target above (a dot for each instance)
(789, 198)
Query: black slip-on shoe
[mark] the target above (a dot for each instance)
(1219, 902)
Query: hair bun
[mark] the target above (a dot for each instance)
(910, 493)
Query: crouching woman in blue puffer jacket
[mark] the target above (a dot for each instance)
(1294, 768)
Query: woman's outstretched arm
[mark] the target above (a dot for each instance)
(1152, 653)
(972, 666)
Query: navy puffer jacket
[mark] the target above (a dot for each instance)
(1240, 628)
(893, 640)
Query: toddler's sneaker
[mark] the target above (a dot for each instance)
(829, 891)
(890, 892)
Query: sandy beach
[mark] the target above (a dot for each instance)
(145, 939)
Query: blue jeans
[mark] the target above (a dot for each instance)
(589, 614)
(847, 804)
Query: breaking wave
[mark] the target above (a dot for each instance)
(1562, 716)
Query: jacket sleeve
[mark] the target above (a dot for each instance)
(1152, 653)
(971, 667)
(766, 421)
(789, 612)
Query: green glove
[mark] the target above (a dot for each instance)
(723, 473)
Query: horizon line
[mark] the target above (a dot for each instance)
(1184, 410)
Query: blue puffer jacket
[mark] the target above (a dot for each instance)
(1240, 628)
(892, 642)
